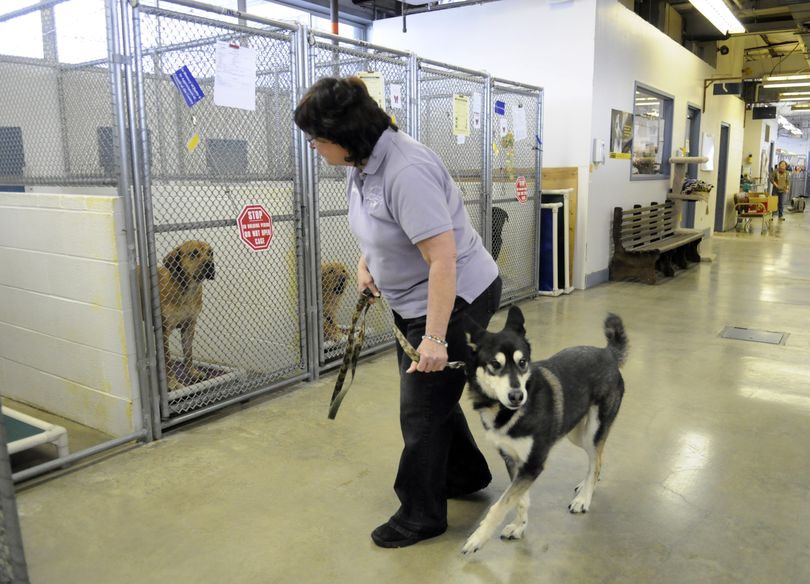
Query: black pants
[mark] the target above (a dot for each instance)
(439, 452)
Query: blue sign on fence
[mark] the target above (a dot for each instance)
(187, 85)
(500, 108)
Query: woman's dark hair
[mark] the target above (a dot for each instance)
(342, 111)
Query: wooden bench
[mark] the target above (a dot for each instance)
(645, 238)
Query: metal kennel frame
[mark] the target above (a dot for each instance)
(252, 332)
(469, 163)
(515, 225)
(333, 56)
(261, 325)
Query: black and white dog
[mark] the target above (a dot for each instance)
(527, 407)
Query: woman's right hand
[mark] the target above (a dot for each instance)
(365, 281)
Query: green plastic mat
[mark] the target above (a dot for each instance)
(17, 430)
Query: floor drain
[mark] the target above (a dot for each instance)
(739, 333)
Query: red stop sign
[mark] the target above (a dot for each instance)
(255, 227)
(521, 190)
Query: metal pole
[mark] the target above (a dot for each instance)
(302, 189)
(146, 236)
(486, 138)
(124, 194)
(413, 96)
(307, 71)
(333, 11)
(538, 164)
(12, 556)
(41, 469)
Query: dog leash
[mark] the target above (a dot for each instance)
(353, 351)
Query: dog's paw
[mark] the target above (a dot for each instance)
(579, 504)
(173, 383)
(475, 542)
(578, 488)
(513, 530)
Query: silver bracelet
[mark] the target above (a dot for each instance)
(436, 340)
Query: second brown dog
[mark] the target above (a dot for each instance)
(334, 278)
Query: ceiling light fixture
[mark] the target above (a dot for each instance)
(719, 15)
(767, 85)
(794, 94)
(786, 78)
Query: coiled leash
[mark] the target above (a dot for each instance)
(353, 351)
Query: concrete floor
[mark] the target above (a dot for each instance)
(705, 473)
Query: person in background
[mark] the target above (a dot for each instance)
(420, 250)
(781, 185)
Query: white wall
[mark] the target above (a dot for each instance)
(754, 143)
(588, 55)
(66, 335)
(530, 41)
(629, 50)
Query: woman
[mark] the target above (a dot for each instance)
(781, 183)
(419, 249)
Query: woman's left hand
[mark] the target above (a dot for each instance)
(432, 357)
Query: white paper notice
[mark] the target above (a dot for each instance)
(504, 128)
(375, 85)
(235, 77)
(461, 139)
(396, 96)
(461, 115)
(476, 103)
(519, 123)
(476, 120)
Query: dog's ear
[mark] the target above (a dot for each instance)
(514, 321)
(474, 332)
(174, 261)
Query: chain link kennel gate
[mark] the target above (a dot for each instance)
(388, 74)
(223, 191)
(516, 159)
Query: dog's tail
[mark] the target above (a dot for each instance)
(616, 337)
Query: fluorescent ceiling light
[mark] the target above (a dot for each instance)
(719, 15)
(805, 98)
(786, 78)
(794, 94)
(786, 84)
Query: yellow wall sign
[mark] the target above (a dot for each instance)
(461, 115)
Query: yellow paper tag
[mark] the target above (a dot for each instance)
(394, 119)
(192, 143)
(495, 149)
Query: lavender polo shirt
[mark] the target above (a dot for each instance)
(405, 195)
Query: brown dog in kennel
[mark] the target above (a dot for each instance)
(334, 278)
(180, 281)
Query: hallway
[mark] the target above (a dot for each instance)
(705, 475)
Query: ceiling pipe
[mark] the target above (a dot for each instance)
(435, 7)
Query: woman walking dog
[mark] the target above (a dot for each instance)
(419, 249)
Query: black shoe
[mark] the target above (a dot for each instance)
(388, 535)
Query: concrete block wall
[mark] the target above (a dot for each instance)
(66, 334)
